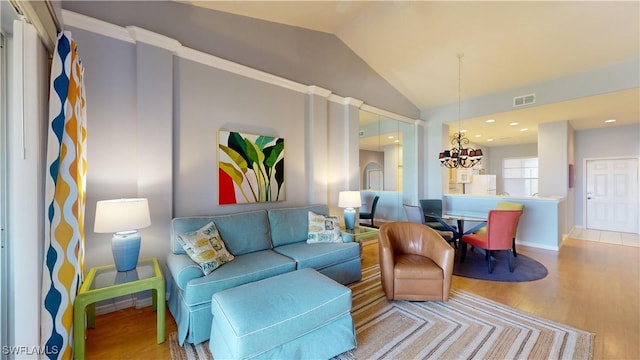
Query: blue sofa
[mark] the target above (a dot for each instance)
(265, 243)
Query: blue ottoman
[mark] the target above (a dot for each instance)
(297, 315)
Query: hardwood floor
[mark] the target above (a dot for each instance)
(591, 286)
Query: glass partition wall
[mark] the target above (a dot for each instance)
(388, 166)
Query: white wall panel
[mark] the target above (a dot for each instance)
(26, 157)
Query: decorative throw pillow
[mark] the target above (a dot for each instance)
(205, 247)
(323, 229)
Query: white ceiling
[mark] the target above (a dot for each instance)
(506, 45)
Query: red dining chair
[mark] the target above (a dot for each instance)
(503, 205)
(501, 225)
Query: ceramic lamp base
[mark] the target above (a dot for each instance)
(126, 249)
(349, 218)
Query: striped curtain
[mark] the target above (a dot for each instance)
(64, 199)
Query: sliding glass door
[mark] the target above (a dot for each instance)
(388, 165)
(3, 197)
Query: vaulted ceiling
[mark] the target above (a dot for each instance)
(506, 45)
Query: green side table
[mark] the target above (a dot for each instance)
(359, 234)
(105, 282)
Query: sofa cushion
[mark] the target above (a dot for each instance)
(323, 229)
(291, 225)
(242, 232)
(205, 247)
(243, 269)
(319, 256)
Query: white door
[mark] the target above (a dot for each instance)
(375, 180)
(612, 194)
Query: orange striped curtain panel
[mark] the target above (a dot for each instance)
(64, 199)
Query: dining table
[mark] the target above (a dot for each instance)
(458, 230)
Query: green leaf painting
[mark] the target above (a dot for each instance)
(250, 168)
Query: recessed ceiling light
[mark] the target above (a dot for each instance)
(489, 139)
(390, 137)
(478, 135)
(463, 130)
(514, 123)
(488, 121)
(524, 129)
(397, 141)
(610, 121)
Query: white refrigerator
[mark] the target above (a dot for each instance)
(481, 185)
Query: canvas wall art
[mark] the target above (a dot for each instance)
(250, 168)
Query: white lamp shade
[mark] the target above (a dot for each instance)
(119, 215)
(349, 199)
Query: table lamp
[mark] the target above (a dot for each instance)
(123, 217)
(349, 200)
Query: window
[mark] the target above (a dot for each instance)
(520, 176)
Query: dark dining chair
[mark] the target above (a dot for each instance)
(416, 215)
(433, 207)
(501, 225)
(371, 214)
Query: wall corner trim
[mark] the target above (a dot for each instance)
(316, 90)
(154, 39)
(352, 101)
(70, 18)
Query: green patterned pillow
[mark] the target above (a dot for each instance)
(323, 229)
(205, 247)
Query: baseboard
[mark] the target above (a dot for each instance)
(124, 302)
(538, 246)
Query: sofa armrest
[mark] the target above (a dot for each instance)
(183, 269)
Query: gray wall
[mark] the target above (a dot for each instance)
(129, 89)
(553, 158)
(209, 100)
(153, 121)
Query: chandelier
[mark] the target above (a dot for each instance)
(460, 156)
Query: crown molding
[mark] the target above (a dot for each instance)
(70, 18)
(389, 114)
(134, 34)
(235, 68)
(154, 39)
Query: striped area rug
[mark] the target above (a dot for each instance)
(465, 327)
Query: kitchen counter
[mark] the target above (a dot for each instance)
(542, 224)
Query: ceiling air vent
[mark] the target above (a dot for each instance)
(524, 100)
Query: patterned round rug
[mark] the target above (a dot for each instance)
(475, 267)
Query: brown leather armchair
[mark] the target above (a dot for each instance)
(416, 263)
